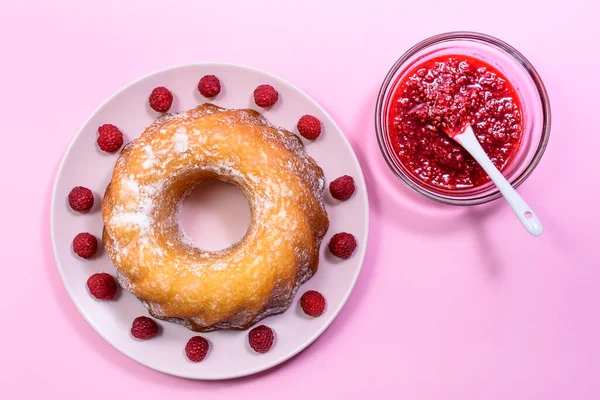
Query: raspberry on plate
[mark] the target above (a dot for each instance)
(309, 127)
(265, 96)
(85, 245)
(312, 303)
(342, 245)
(110, 138)
(81, 199)
(342, 188)
(261, 338)
(196, 348)
(102, 286)
(209, 86)
(161, 99)
(144, 328)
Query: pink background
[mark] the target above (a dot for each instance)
(451, 304)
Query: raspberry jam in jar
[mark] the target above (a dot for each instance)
(437, 98)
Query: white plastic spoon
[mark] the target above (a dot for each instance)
(525, 214)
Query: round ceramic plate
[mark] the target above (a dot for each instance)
(212, 217)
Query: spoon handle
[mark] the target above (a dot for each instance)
(525, 214)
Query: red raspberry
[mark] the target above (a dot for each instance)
(85, 245)
(209, 86)
(102, 286)
(161, 99)
(261, 338)
(110, 138)
(342, 245)
(312, 303)
(196, 348)
(265, 96)
(144, 328)
(81, 199)
(342, 188)
(309, 127)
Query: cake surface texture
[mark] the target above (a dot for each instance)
(235, 287)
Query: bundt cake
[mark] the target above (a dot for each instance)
(250, 280)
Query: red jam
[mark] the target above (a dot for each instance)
(439, 97)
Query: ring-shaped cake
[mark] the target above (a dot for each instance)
(238, 286)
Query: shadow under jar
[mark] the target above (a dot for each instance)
(444, 83)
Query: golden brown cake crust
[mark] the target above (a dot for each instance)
(235, 287)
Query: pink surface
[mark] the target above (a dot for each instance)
(451, 304)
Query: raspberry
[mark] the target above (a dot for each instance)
(342, 245)
(102, 286)
(265, 96)
(196, 348)
(85, 245)
(161, 99)
(342, 188)
(312, 303)
(209, 86)
(261, 338)
(110, 138)
(81, 199)
(144, 328)
(309, 127)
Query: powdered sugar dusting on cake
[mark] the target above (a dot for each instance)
(150, 160)
(132, 185)
(137, 218)
(180, 140)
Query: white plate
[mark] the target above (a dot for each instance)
(230, 355)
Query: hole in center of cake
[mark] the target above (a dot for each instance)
(215, 215)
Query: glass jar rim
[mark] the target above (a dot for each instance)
(493, 42)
